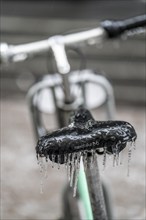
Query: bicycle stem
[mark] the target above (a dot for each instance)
(63, 66)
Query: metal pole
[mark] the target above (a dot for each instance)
(95, 190)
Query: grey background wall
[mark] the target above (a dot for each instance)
(122, 61)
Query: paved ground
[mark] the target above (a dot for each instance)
(20, 188)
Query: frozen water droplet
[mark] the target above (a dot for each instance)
(115, 150)
(134, 145)
(76, 173)
(37, 156)
(68, 170)
(46, 159)
(58, 160)
(114, 160)
(121, 157)
(85, 158)
(117, 154)
(53, 160)
(67, 165)
(92, 157)
(42, 169)
(129, 160)
(41, 164)
(114, 155)
(78, 159)
(104, 158)
(65, 159)
(46, 170)
(71, 173)
(72, 168)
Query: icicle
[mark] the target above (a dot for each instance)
(92, 158)
(46, 159)
(104, 158)
(121, 157)
(114, 155)
(76, 174)
(72, 169)
(68, 170)
(85, 157)
(71, 173)
(114, 160)
(58, 161)
(68, 166)
(37, 156)
(41, 165)
(134, 145)
(94, 155)
(66, 159)
(129, 160)
(115, 150)
(117, 154)
(78, 159)
(53, 160)
(46, 170)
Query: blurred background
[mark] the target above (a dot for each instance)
(122, 61)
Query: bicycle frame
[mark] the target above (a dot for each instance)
(63, 110)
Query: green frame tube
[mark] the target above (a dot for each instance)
(84, 194)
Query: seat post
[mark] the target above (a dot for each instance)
(95, 190)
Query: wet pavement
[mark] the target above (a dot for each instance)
(20, 186)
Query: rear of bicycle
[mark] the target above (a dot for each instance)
(84, 84)
(78, 144)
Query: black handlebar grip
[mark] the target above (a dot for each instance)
(116, 28)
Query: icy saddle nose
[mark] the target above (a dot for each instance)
(84, 134)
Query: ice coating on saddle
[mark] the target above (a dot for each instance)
(84, 134)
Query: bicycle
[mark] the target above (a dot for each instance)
(82, 124)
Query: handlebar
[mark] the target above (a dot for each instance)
(11, 53)
(108, 29)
